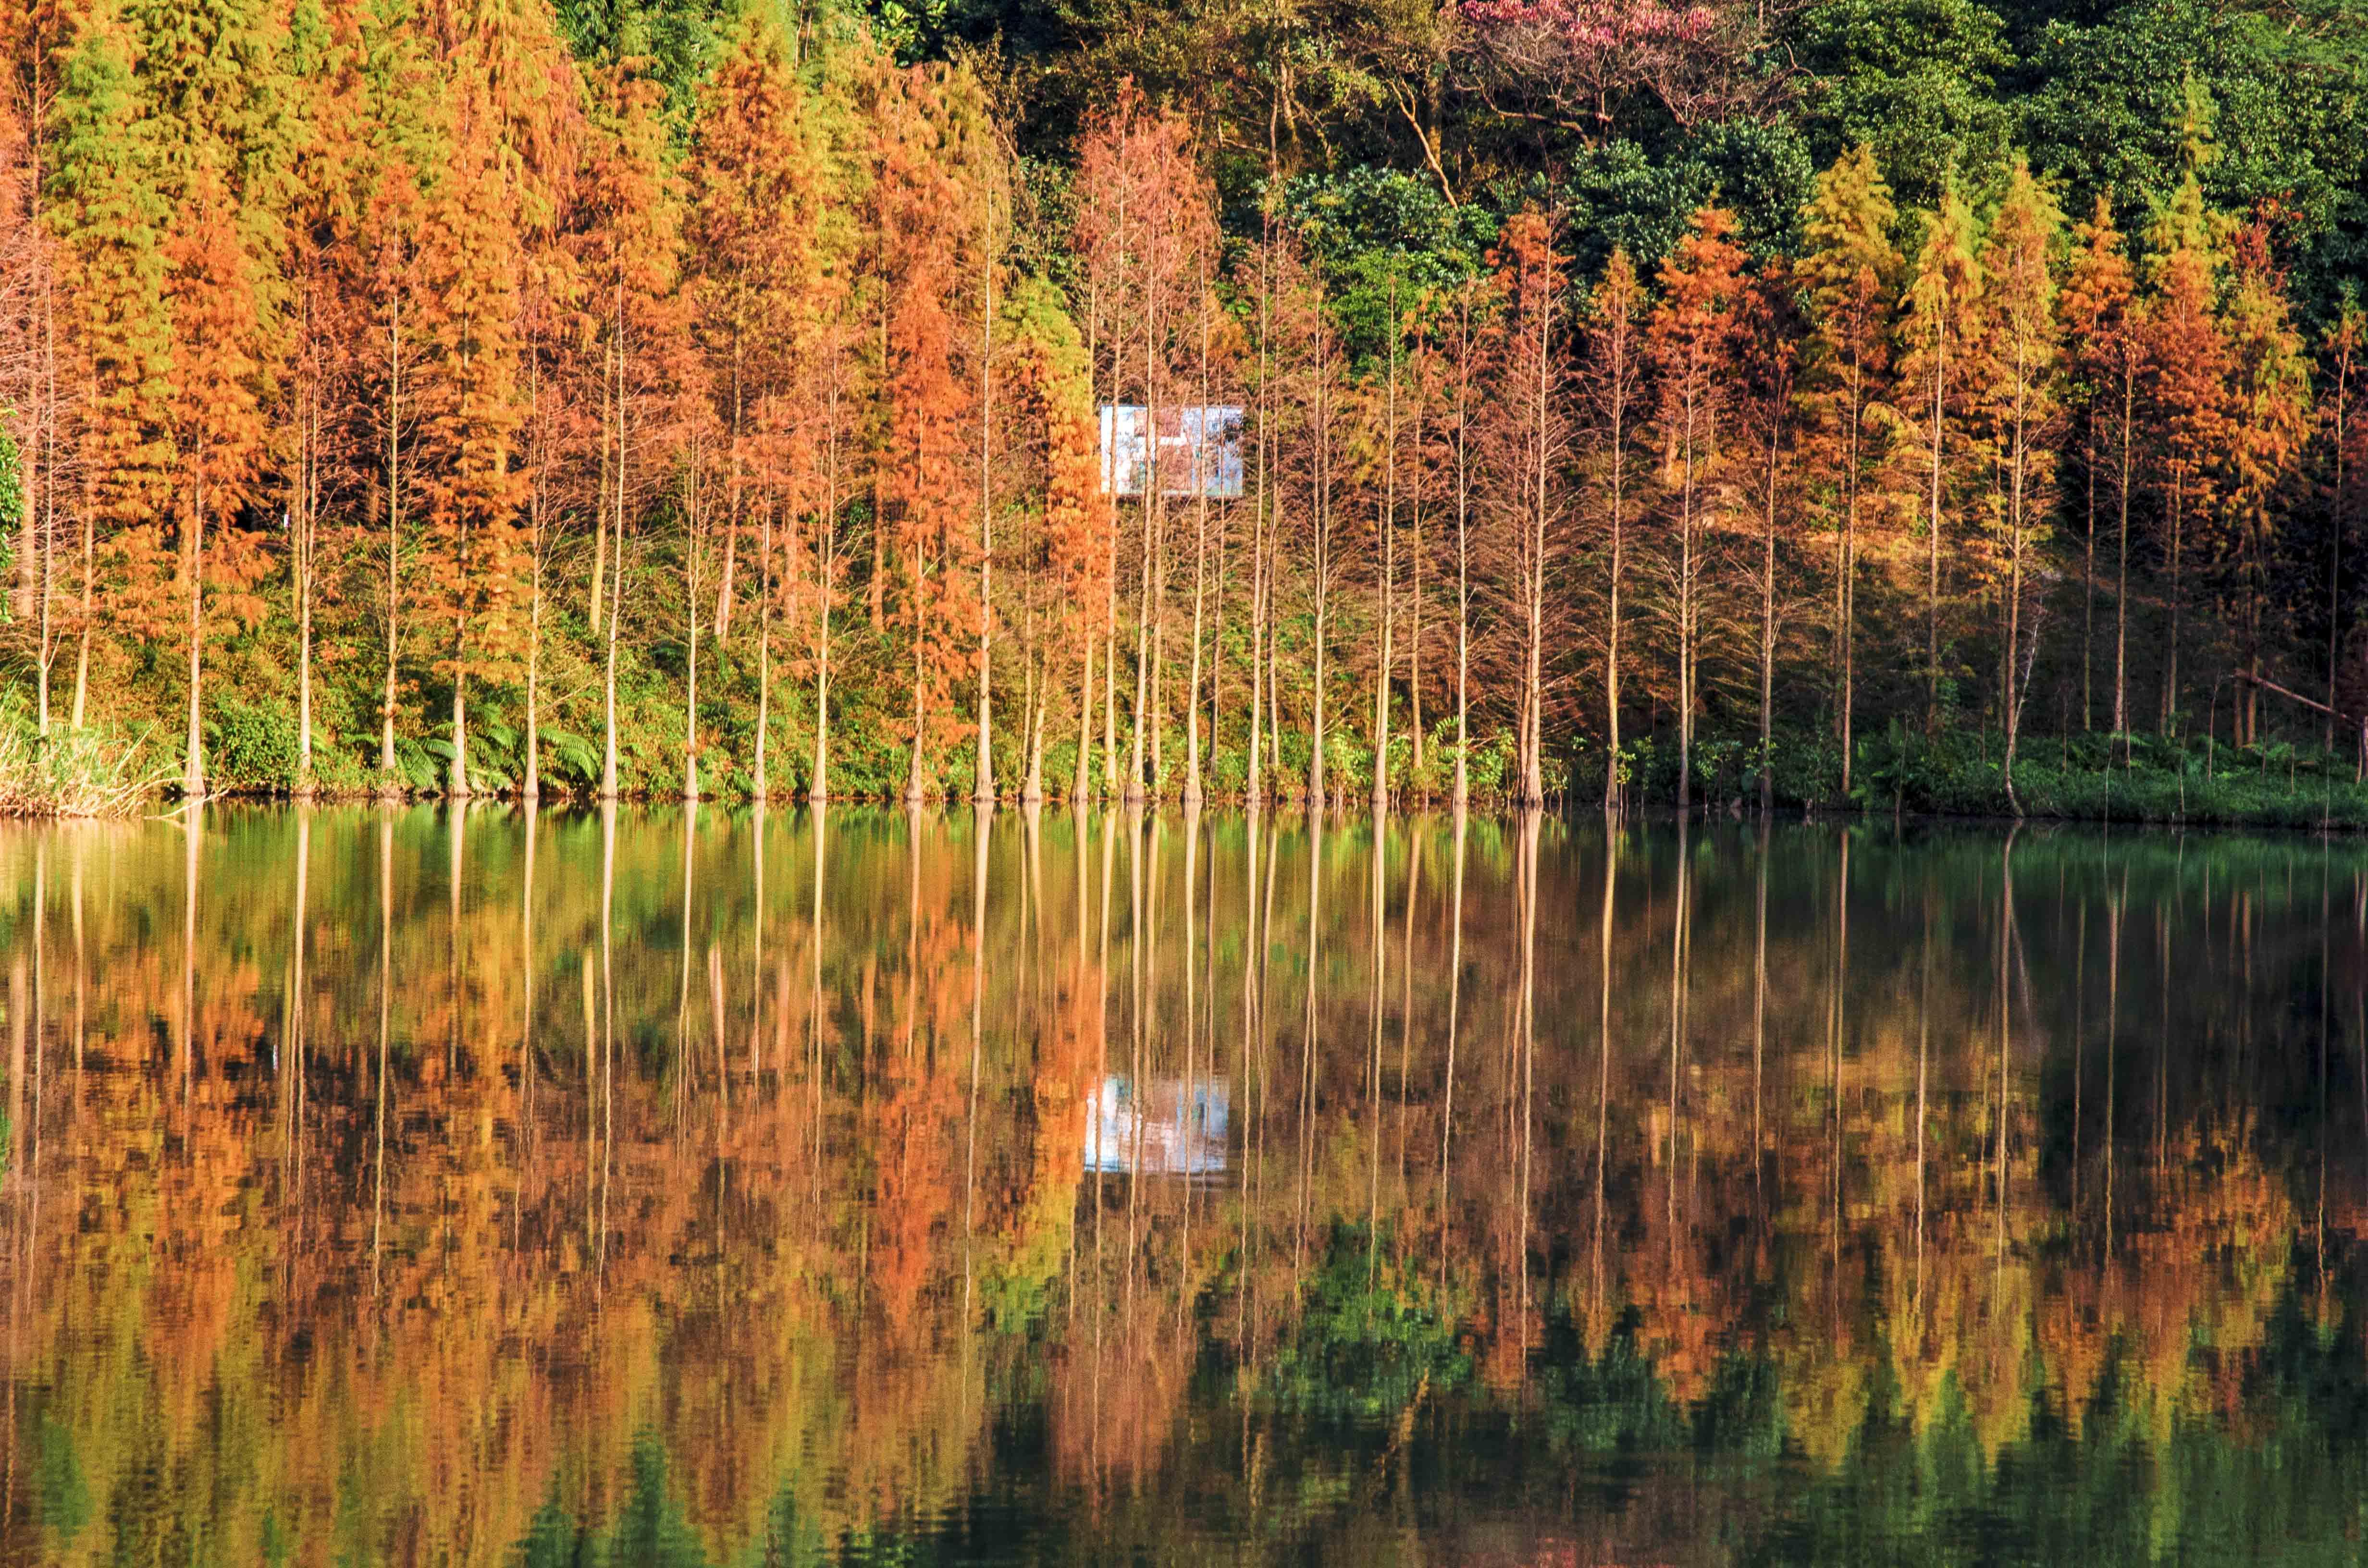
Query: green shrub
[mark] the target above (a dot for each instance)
(1348, 765)
(251, 747)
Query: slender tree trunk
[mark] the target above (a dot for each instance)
(2335, 545)
(41, 454)
(1034, 699)
(1109, 672)
(1463, 349)
(1939, 413)
(1155, 785)
(1315, 720)
(1322, 510)
(876, 586)
(465, 591)
(1081, 778)
(1202, 473)
(1534, 572)
(1619, 569)
(983, 776)
(760, 785)
(89, 578)
(2170, 672)
(690, 643)
(1192, 710)
(532, 787)
(818, 782)
(608, 677)
(29, 532)
(825, 584)
(459, 779)
(1414, 597)
(42, 513)
(2016, 523)
(460, 771)
(1254, 780)
(1145, 685)
(301, 543)
(1253, 776)
(386, 763)
(1533, 791)
(2121, 568)
(1844, 586)
(45, 441)
(611, 440)
(1109, 577)
(1031, 783)
(616, 606)
(193, 774)
(1221, 600)
(1689, 613)
(1768, 618)
(1080, 783)
(28, 549)
(1386, 563)
(2089, 590)
(1142, 696)
(724, 581)
(1273, 652)
(917, 774)
(1382, 662)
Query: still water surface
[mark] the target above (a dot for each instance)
(439, 1187)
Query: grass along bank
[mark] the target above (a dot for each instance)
(2144, 777)
(90, 772)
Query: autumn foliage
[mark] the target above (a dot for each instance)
(427, 408)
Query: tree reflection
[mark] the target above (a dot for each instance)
(1781, 1184)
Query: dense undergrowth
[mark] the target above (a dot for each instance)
(252, 747)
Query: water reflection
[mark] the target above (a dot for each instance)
(487, 1187)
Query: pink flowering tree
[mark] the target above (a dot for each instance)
(1578, 63)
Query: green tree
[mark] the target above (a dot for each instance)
(1917, 81)
(2285, 88)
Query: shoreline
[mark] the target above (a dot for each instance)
(165, 801)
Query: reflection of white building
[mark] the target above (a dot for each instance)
(1174, 1128)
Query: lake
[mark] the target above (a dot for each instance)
(436, 1186)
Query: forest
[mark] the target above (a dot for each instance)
(1836, 402)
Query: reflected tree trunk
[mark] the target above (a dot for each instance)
(192, 816)
(377, 1079)
(1605, 935)
(815, 1022)
(525, 1016)
(1307, 1038)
